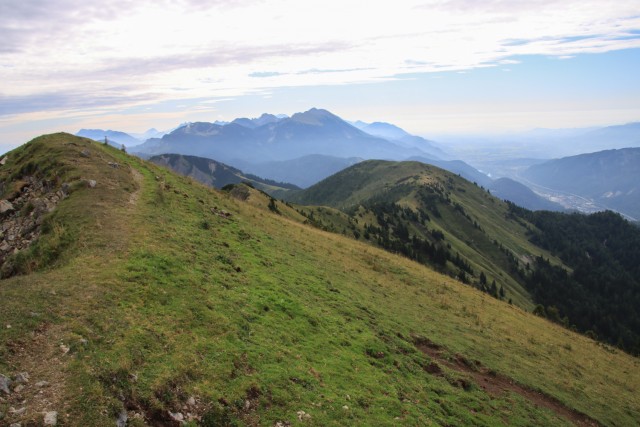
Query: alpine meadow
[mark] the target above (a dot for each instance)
(322, 213)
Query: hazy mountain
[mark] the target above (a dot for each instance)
(611, 178)
(485, 150)
(312, 132)
(458, 167)
(151, 133)
(116, 138)
(521, 195)
(303, 171)
(260, 121)
(620, 136)
(394, 133)
(215, 174)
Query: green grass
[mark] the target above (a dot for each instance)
(471, 219)
(260, 308)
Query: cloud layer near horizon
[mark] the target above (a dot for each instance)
(74, 55)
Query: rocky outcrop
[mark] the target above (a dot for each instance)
(22, 216)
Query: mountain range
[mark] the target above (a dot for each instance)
(135, 296)
(216, 174)
(115, 138)
(307, 147)
(610, 178)
(270, 138)
(521, 195)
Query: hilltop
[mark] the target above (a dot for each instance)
(162, 300)
(578, 270)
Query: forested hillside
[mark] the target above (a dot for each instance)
(577, 270)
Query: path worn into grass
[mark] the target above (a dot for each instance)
(138, 178)
(496, 384)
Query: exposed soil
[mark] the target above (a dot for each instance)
(138, 178)
(44, 390)
(496, 384)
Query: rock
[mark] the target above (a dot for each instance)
(15, 425)
(302, 416)
(18, 388)
(5, 206)
(122, 418)
(92, 183)
(4, 247)
(4, 384)
(41, 384)
(177, 416)
(85, 153)
(191, 401)
(114, 165)
(17, 412)
(345, 407)
(51, 418)
(21, 378)
(4, 160)
(64, 349)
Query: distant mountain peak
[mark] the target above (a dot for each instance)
(314, 116)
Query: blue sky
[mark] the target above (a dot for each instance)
(430, 66)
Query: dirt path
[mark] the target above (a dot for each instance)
(43, 387)
(496, 384)
(138, 178)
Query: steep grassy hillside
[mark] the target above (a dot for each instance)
(432, 216)
(165, 300)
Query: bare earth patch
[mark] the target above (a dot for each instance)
(43, 357)
(496, 384)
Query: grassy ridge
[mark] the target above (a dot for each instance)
(475, 225)
(259, 317)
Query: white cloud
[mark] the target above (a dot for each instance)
(85, 49)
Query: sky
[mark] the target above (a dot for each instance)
(430, 66)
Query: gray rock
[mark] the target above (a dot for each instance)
(4, 160)
(177, 416)
(41, 384)
(51, 418)
(4, 384)
(18, 412)
(21, 378)
(18, 388)
(5, 206)
(85, 153)
(122, 418)
(92, 183)
(15, 425)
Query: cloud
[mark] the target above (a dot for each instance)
(14, 105)
(79, 53)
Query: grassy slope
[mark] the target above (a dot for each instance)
(176, 301)
(373, 179)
